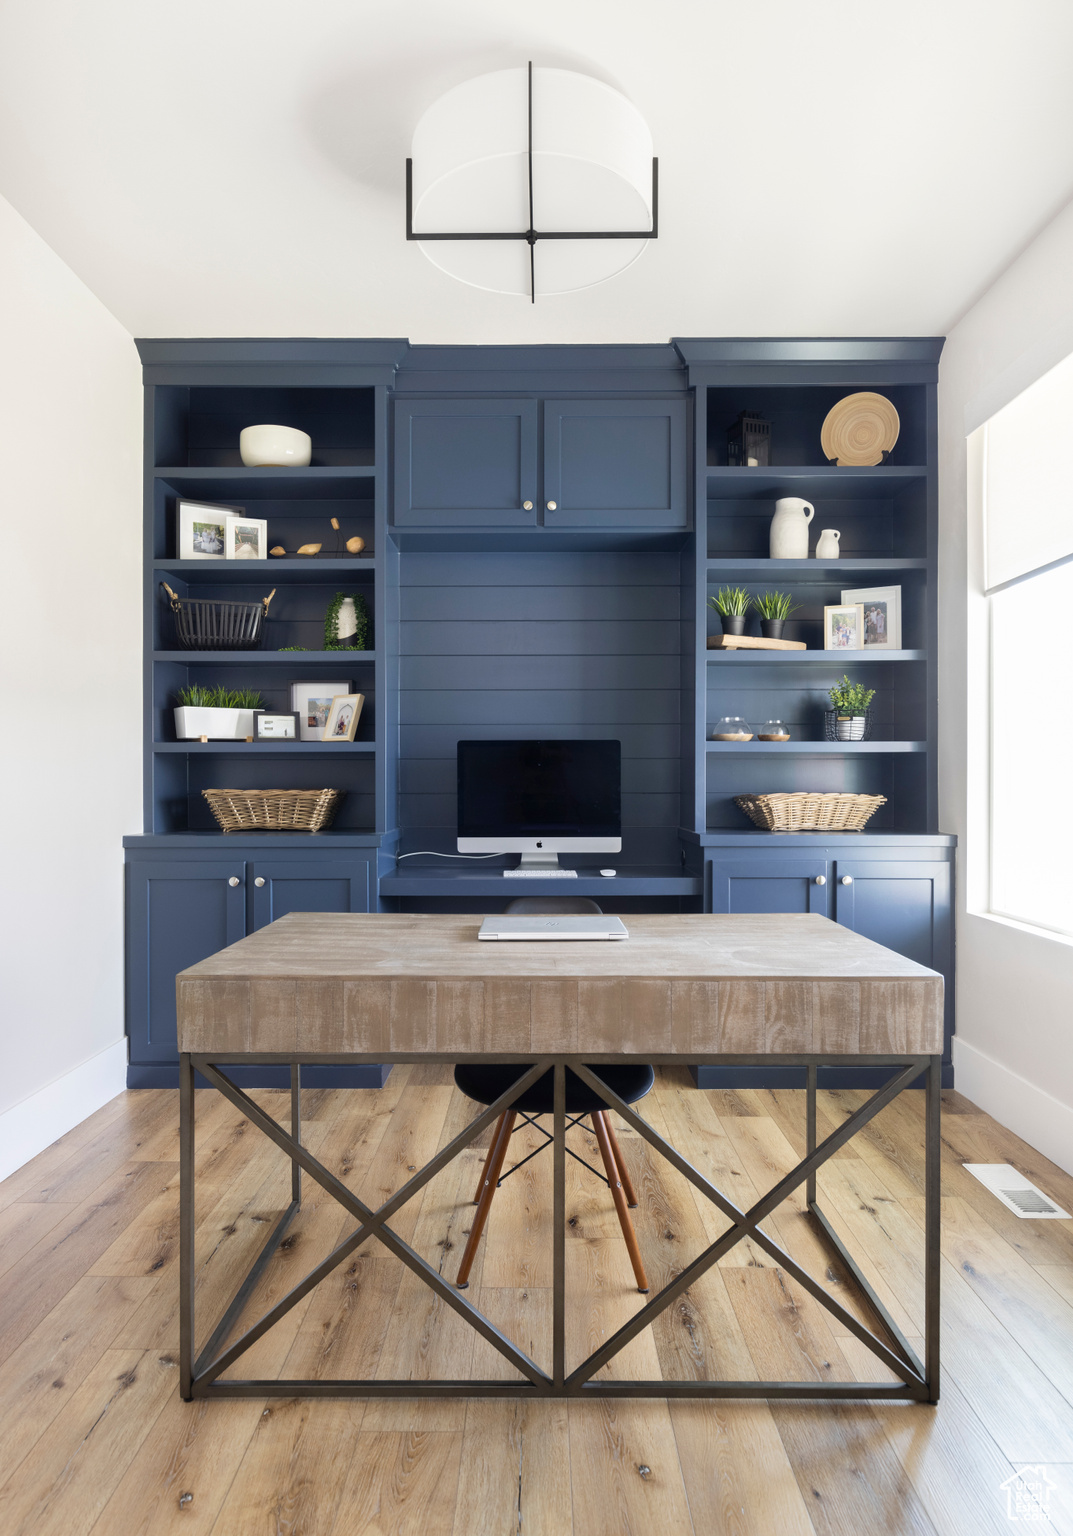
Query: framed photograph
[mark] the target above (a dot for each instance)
(201, 529)
(275, 725)
(843, 627)
(246, 538)
(343, 717)
(313, 702)
(882, 616)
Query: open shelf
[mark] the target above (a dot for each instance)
(237, 572)
(826, 480)
(824, 748)
(267, 748)
(730, 567)
(270, 483)
(263, 658)
(791, 658)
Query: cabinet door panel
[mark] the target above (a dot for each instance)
(178, 914)
(615, 463)
(465, 463)
(327, 885)
(905, 906)
(783, 884)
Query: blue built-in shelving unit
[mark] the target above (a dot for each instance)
(544, 526)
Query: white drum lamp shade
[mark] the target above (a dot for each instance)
(592, 173)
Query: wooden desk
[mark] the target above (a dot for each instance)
(790, 989)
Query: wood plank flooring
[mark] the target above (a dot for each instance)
(94, 1438)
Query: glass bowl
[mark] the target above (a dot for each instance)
(733, 728)
(773, 730)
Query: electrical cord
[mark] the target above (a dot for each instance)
(430, 853)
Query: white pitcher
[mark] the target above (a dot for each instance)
(789, 528)
(827, 545)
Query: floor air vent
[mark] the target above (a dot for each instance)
(1015, 1192)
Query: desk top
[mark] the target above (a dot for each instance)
(683, 984)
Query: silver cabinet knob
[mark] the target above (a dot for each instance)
(259, 881)
(821, 879)
(847, 879)
(234, 880)
(552, 505)
(527, 506)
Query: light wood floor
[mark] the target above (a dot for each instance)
(94, 1437)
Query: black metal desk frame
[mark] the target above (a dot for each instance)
(201, 1371)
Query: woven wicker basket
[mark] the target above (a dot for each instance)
(273, 810)
(810, 813)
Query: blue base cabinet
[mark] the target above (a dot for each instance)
(896, 891)
(183, 906)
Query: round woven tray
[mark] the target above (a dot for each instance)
(273, 810)
(860, 429)
(805, 812)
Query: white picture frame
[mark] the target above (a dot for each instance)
(313, 701)
(843, 627)
(882, 616)
(246, 538)
(201, 529)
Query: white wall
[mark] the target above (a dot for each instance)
(1014, 1049)
(70, 688)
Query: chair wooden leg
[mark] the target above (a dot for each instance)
(599, 1120)
(488, 1160)
(624, 1172)
(494, 1167)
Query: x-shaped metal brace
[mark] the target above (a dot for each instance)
(200, 1374)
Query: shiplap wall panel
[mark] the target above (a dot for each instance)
(582, 644)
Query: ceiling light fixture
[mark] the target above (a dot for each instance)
(492, 151)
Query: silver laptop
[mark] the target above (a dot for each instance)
(548, 926)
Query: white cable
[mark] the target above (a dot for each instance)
(431, 853)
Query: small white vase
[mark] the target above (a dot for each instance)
(827, 545)
(789, 528)
(281, 447)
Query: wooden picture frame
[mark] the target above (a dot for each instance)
(843, 627)
(201, 529)
(343, 717)
(271, 725)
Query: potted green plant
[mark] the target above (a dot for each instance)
(850, 719)
(774, 609)
(732, 605)
(221, 714)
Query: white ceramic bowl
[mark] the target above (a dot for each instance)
(279, 446)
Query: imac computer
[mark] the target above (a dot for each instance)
(539, 799)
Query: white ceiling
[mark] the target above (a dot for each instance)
(827, 167)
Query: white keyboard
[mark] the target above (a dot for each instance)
(540, 874)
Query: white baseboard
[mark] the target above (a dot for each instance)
(1032, 1113)
(28, 1128)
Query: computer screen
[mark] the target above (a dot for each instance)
(552, 790)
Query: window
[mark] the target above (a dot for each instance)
(1028, 543)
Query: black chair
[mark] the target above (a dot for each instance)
(484, 1083)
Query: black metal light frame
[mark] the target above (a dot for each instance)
(532, 234)
(201, 1370)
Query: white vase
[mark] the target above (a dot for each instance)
(217, 724)
(789, 528)
(283, 447)
(827, 545)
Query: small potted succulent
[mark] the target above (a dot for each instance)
(850, 719)
(732, 605)
(219, 714)
(774, 609)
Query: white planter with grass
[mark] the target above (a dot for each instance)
(217, 724)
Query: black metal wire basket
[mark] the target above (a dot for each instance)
(838, 727)
(202, 624)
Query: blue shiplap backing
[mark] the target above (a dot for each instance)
(540, 644)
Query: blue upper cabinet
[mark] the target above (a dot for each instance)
(615, 464)
(466, 463)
